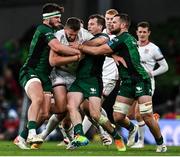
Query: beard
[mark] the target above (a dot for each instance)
(115, 31)
(54, 26)
(69, 39)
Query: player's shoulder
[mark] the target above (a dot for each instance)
(84, 34)
(60, 32)
(44, 28)
(83, 31)
(152, 45)
(154, 48)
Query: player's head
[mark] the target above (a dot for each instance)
(143, 31)
(51, 13)
(72, 28)
(96, 24)
(121, 23)
(109, 17)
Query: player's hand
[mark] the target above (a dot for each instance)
(119, 59)
(74, 45)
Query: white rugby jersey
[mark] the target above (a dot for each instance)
(110, 70)
(83, 35)
(150, 54)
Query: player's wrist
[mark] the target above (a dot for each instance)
(80, 47)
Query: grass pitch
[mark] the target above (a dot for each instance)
(7, 148)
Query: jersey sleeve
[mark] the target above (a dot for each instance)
(57, 34)
(85, 35)
(47, 32)
(158, 54)
(103, 35)
(113, 43)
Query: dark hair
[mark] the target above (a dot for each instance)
(73, 23)
(51, 7)
(144, 24)
(124, 18)
(100, 19)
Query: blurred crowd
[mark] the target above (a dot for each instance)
(14, 51)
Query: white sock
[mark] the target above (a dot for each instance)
(103, 112)
(32, 132)
(86, 124)
(21, 138)
(51, 125)
(141, 131)
(102, 131)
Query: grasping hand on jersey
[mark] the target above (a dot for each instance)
(118, 60)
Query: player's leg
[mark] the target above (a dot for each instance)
(20, 140)
(74, 101)
(146, 111)
(141, 127)
(59, 107)
(87, 123)
(121, 109)
(67, 130)
(42, 116)
(105, 137)
(35, 93)
(94, 109)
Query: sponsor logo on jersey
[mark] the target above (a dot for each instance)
(92, 91)
(138, 89)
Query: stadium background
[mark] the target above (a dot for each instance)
(19, 18)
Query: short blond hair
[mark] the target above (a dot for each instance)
(112, 12)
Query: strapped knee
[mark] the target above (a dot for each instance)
(146, 107)
(102, 120)
(121, 107)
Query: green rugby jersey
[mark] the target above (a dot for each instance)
(91, 66)
(125, 45)
(38, 57)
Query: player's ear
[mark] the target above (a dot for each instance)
(149, 32)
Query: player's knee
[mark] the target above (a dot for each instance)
(121, 108)
(71, 107)
(38, 100)
(146, 108)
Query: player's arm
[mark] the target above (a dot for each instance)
(160, 60)
(58, 60)
(98, 50)
(119, 59)
(96, 42)
(163, 67)
(56, 46)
